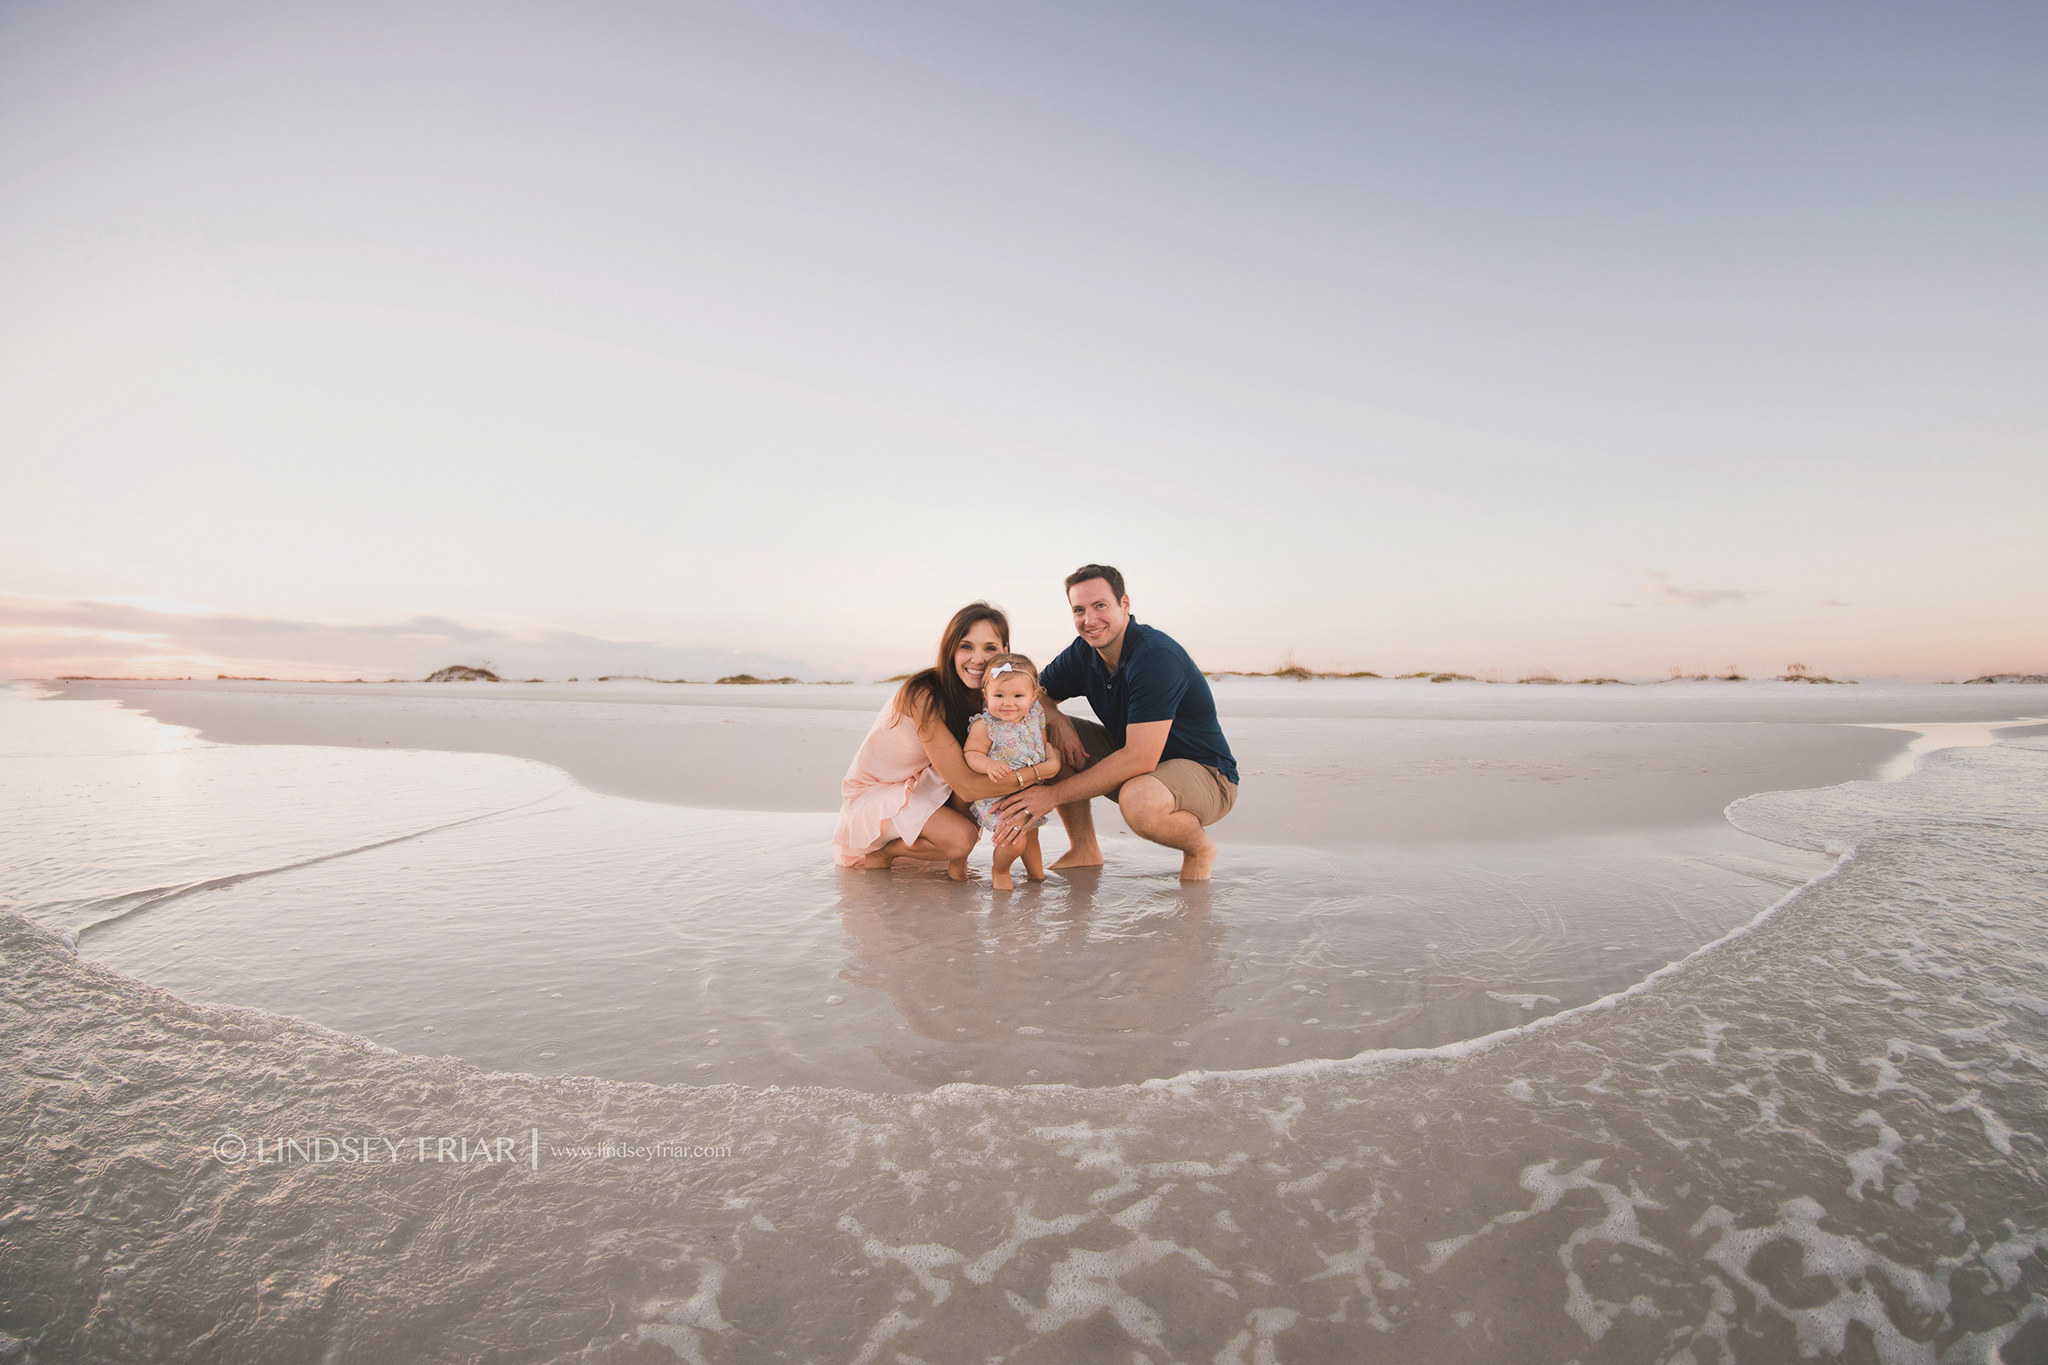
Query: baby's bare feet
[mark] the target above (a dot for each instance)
(1001, 881)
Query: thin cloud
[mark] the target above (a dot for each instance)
(1831, 602)
(45, 637)
(1661, 590)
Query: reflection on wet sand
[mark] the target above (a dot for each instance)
(1109, 976)
(1819, 1138)
(587, 935)
(1057, 983)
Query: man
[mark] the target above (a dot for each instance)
(1158, 752)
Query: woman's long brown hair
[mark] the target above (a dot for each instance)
(938, 690)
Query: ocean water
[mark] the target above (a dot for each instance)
(483, 907)
(1821, 1133)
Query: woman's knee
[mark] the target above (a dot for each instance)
(955, 837)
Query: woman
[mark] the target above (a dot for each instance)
(893, 801)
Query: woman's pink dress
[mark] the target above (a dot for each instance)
(891, 779)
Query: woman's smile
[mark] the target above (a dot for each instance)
(977, 647)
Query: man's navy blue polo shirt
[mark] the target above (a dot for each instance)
(1154, 680)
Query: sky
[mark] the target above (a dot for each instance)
(356, 339)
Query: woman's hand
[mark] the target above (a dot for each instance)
(1022, 811)
(1012, 829)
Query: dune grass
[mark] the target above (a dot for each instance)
(1801, 673)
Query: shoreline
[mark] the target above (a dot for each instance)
(1610, 1183)
(1288, 674)
(1523, 846)
(1341, 765)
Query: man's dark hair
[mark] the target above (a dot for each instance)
(1101, 571)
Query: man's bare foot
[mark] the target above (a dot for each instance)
(1195, 864)
(1001, 881)
(1090, 856)
(877, 862)
(957, 869)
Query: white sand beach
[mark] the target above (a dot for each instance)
(1641, 972)
(1414, 1074)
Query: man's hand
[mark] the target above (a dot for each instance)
(1066, 740)
(1021, 812)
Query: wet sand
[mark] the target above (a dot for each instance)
(1819, 1135)
(1326, 763)
(486, 907)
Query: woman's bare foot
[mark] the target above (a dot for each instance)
(957, 869)
(877, 862)
(1195, 863)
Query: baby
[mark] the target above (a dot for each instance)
(1008, 741)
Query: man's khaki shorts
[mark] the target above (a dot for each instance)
(1198, 789)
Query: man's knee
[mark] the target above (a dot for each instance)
(1143, 800)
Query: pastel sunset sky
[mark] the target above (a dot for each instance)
(361, 338)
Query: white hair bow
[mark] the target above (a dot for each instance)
(1001, 669)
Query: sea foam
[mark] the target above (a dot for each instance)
(1820, 1134)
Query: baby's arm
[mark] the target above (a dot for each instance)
(976, 750)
